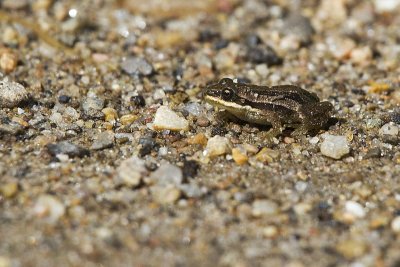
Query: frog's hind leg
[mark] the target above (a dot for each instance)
(313, 118)
(275, 130)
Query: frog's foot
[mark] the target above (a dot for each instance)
(269, 136)
(300, 131)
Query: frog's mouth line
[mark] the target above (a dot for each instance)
(230, 106)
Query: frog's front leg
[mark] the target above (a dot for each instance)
(268, 118)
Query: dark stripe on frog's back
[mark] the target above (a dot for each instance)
(262, 93)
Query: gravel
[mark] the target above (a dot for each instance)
(166, 119)
(136, 66)
(12, 94)
(67, 148)
(335, 147)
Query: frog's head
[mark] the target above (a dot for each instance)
(222, 94)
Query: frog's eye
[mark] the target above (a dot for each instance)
(227, 94)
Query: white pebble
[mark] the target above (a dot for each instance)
(396, 224)
(335, 146)
(131, 171)
(217, 146)
(264, 208)
(386, 5)
(167, 174)
(355, 209)
(389, 129)
(166, 119)
(49, 208)
(12, 94)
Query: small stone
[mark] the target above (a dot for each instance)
(131, 171)
(192, 190)
(138, 101)
(361, 56)
(351, 249)
(103, 140)
(299, 26)
(67, 148)
(49, 208)
(354, 209)
(190, 168)
(8, 61)
(64, 99)
(396, 224)
(194, 108)
(9, 190)
(264, 207)
(167, 174)
(202, 121)
(239, 156)
(165, 194)
(335, 146)
(166, 119)
(389, 129)
(375, 152)
(110, 114)
(217, 146)
(386, 5)
(136, 66)
(270, 231)
(148, 144)
(12, 94)
(92, 107)
(128, 119)
(267, 155)
(198, 139)
(266, 55)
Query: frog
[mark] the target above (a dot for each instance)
(280, 106)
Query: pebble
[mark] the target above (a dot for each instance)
(194, 108)
(12, 94)
(389, 129)
(202, 121)
(9, 190)
(128, 119)
(136, 66)
(198, 139)
(396, 224)
(217, 146)
(354, 209)
(103, 140)
(138, 101)
(267, 155)
(335, 146)
(166, 119)
(264, 207)
(110, 114)
(5, 262)
(351, 249)
(299, 26)
(192, 190)
(92, 107)
(165, 194)
(361, 55)
(8, 61)
(386, 5)
(166, 174)
(190, 168)
(148, 144)
(260, 55)
(239, 156)
(131, 171)
(49, 208)
(67, 148)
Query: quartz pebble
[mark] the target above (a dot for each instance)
(264, 207)
(217, 146)
(8, 61)
(12, 94)
(167, 174)
(354, 209)
(396, 224)
(165, 194)
(351, 249)
(389, 129)
(334, 146)
(239, 156)
(103, 140)
(386, 5)
(137, 65)
(166, 119)
(92, 107)
(131, 171)
(49, 208)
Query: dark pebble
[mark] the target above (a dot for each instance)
(299, 26)
(202, 121)
(64, 99)
(375, 152)
(390, 139)
(218, 131)
(67, 148)
(267, 55)
(207, 35)
(148, 144)
(138, 101)
(220, 44)
(190, 168)
(253, 40)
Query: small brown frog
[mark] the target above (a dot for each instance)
(280, 106)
